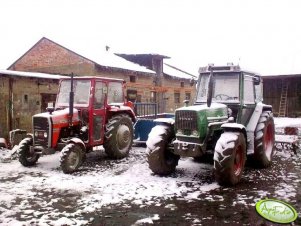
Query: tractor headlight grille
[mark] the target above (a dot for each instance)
(186, 120)
(41, 131)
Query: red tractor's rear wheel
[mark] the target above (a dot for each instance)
(119, 136)
(229, 158)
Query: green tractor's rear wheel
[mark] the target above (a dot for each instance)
(71, 158)
(264, 140)
(119, 136)
(161, 161)
(229, 158)
(26, 156)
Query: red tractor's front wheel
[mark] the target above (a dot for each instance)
(71, 157)
(27, 157)
(229, 158)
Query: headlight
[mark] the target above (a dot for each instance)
(45, 134)
(36, 134)
(180, 132)
(195, 133)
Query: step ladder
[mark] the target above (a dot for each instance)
(283, 99)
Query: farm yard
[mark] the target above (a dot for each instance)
(125, 192)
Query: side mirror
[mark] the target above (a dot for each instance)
(256, 81)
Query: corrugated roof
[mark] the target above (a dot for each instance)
(281, 76)
(175, 72)
(31, 74)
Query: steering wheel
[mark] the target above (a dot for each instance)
(220, 96)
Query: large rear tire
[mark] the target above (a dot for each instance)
(118, 136)
(264, 140)
(71, 158)
(160, 160)
(229, 158)
(26, 157)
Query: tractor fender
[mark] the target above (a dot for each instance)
(169, 121)
(122, 109)
(256, 115)
(79, 142)
(235, 127)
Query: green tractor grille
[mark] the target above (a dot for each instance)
(186, 120)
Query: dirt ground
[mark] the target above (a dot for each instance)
(185, 204)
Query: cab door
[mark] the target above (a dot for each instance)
(248, 98)
(98, 113)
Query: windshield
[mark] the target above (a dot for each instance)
(225, 88)
(81, 89)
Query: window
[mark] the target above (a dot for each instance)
(99, 95)
(115, 94)
(187, 96)
(153, 97)
(26, 99)
(182, 84)
(249, 94)
(81, 89)
(177, 97)
(133, 78)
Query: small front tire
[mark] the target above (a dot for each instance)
(160, 160)
(26, 157)
(229, 158)
(71, 158)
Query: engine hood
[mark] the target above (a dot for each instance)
(60, 116)
(214, 106)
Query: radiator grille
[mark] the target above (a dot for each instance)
(40, 125)
(186, 120)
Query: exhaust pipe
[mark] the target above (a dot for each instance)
(71, 101)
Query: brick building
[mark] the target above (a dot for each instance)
(145, 83)
(24, 94)
(32, 81)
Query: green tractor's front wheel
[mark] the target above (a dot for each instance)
(229, 158)
(161, 161)
(26, 156)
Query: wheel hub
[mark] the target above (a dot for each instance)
(238, 161)
(268, 141)
(123, 137)
(72, 160)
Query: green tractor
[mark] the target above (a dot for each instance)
(228, 120)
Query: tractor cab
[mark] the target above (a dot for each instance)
(239, 90)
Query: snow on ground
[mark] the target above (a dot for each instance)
(128, 180)
(287, 122)
(36, 194)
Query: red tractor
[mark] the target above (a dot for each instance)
(89, 112)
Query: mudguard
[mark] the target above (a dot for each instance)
(169, 121)
(234, 127)
(79, 142)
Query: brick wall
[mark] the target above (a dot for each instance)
(4, 105)
(49, 57)
(26, 101)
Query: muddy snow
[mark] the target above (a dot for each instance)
(125, 192)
